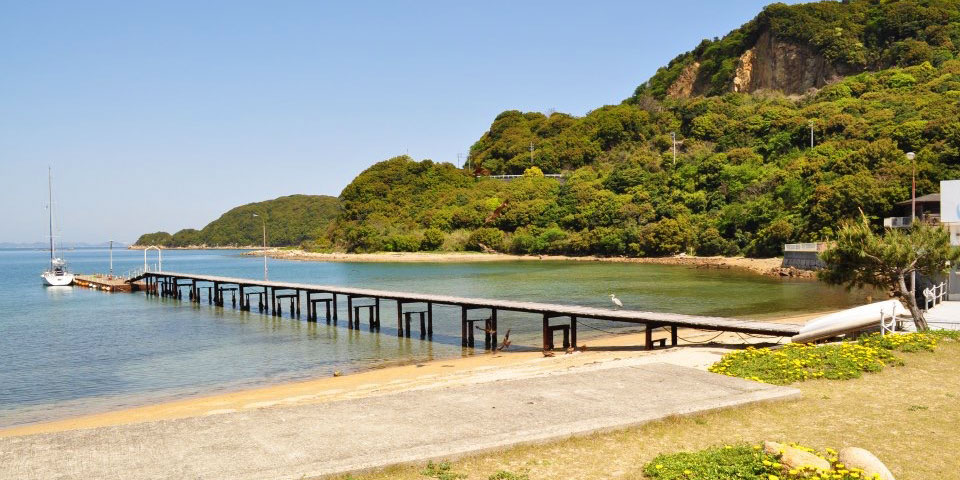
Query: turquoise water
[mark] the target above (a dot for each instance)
(68, 351)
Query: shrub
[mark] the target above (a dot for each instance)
(743, 462)
(403, 243)
(491, 238)
(432, 239)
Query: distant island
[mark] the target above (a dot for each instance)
(773, 134)
(293, 220)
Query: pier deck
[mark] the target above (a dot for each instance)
(170, 284)
(108, 283)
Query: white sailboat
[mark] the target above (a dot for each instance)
(57, 275)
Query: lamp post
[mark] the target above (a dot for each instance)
(913, 199)
(673, 140)
(913, 214)
(264, 245)
(111, 258)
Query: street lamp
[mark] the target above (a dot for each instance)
(913, 214)
(913, 199)
(111, 258)
(264, 245)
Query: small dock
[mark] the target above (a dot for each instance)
(107, 283)
(476, 314)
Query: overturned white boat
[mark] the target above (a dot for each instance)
(850, 320)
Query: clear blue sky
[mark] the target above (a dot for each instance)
(163, 115)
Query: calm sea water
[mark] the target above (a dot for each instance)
(67, 351)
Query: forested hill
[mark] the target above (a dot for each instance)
(745, 178)
(290, 221)
(794, 48)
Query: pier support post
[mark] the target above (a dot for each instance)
(463, 325)
(399, 318)
(430, 319)
(493, 326)
(673, 335)
(546, 332)
(573, 332)
(273, 302)
(349, 312)
(335, 308)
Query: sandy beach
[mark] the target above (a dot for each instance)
(764, 266)
(483, 367)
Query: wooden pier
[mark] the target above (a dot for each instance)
(107, 283)
(556, 318)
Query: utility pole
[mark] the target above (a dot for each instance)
(531, 154)
(264, 220)
(673, 138)
(913, 214)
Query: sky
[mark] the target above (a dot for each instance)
(164, 115)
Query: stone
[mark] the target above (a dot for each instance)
(792, 457)
(855, 457)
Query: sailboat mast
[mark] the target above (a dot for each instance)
(50, 210)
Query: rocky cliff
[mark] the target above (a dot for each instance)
(770, 64)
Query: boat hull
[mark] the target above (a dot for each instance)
(53, 280)
(850, 320)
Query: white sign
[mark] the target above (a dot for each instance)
(950, 201)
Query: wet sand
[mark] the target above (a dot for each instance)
(484, 367)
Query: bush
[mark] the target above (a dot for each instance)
(743, 462)
(712, 243)
(491, 238)
(432, 239)
(403, 243)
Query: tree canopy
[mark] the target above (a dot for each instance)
(861, 257)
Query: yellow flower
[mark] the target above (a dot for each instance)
(659, 467)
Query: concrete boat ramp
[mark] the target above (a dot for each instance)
(411, 426)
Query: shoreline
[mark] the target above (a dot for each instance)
(763, 266)
(435, 373)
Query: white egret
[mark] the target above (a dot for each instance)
(616, 301)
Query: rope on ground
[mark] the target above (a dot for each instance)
(703, 342)
(611, 332)
(745, 341)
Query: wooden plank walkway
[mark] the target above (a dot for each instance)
(170, 282)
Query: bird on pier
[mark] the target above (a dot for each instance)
(506, 341)
(616, 301)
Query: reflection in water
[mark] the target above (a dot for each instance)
(68, 350)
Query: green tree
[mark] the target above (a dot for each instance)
(862, 257)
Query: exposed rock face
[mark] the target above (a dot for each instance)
(771, 64)
(683, 86)
(777, 65)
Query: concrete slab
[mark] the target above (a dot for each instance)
(411, 426)
(945, 316)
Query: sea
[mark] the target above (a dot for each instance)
(68, 351)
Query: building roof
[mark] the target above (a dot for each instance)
(930, 198)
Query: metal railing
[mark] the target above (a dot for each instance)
(934, 296)
(897, 222)
(511, 177)
(805, 247)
